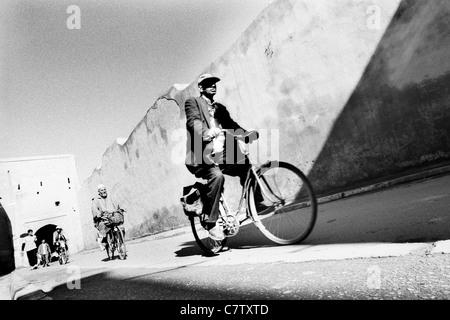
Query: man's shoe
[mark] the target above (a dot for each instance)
(216, 233)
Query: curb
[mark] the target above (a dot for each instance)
(386, 184)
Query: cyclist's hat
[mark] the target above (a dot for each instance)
(207, 78)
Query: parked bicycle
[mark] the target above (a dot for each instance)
(286, 216)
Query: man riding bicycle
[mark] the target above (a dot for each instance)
(59, 239)
(103, 208)
(206, 145)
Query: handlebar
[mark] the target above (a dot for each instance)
(247, 137)
(106, 214)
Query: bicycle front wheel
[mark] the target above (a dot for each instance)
(63, 257)
(282, 203)
(110, 245)
(121, 248)
(204, 241)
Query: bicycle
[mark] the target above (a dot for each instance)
(286, 216)
(115, 238)
(63, 257)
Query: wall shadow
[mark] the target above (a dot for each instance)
(396, 120)
(176, 284)
(247, 237)
(385, 216)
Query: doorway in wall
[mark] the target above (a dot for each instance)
(46, 232)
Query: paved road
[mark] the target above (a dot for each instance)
(414, 212)
(395, 230)
(403, 278)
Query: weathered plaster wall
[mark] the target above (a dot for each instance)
(145, 174)
(344, 102)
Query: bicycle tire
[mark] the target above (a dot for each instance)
(62, 257)
(291, 212)
(110, 245)
(201, 235)
(121, 248)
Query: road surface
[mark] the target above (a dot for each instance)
(380, 245)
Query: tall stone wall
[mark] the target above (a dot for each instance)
(349, 91)
(145, 174)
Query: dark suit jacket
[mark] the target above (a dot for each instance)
(197, 123)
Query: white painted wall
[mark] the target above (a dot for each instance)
(30, 188)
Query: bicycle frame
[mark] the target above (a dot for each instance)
(253, 171)
(264, 184)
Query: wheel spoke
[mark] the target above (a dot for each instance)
(291, 217)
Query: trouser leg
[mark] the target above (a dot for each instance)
(214, 187)
(102, 229)
(30, 260)
(32, 257)
(236, 170)
(212, 193)
(241, 171)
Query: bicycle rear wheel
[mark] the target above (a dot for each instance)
(288, 210)
(201, 235)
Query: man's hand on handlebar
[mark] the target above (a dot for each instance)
(105, 215)
(247, 137)
(251, 136)
(212, 133)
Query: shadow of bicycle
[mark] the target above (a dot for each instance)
(248, 237)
